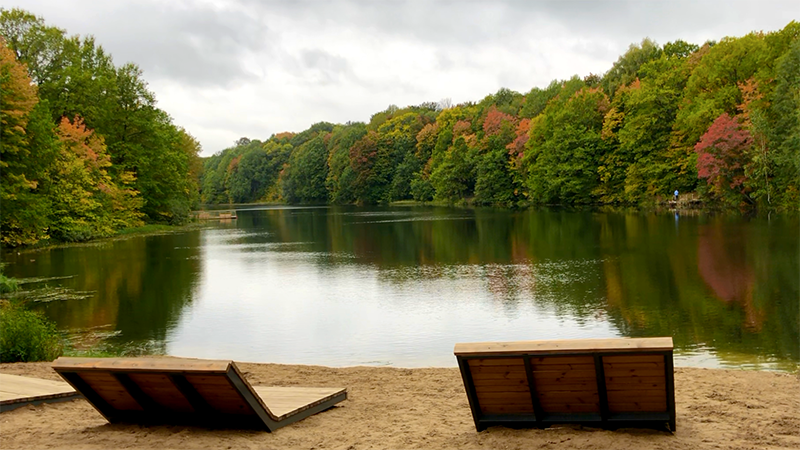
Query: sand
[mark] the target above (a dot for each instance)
(393, 408)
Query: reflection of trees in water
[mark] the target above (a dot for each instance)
(645, 273)
(708, 282)
(722, 262)
(140, 285)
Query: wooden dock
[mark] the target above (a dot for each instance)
(16, 391)
(224, 215)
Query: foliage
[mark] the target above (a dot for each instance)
(720, 155)
(26, 335)
(122, 162)
(7, 284)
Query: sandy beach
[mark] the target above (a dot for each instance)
(395, 408)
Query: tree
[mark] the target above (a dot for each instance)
(721, 155)
(563, 153)
(24, 154)
(85, 201)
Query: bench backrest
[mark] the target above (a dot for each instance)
(599, 382)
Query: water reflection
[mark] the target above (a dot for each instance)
(400, 285)
(140, 285)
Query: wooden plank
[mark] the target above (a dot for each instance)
(516, 387)
(497, 397)
(162, 390)
(110, 390)
(561, 360)
(634, 373)
(632, 366)
(624, 381)
(629, 396)
(221, 396)
(494, 370)
(632, 358)
(142, 364)
(495, 362)
(287, 401)
(567, 385)
(15, 389)
(585, 375)
(564, 346)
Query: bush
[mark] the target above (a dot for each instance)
(7, 284)
(26, 335)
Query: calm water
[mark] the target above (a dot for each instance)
(401, 285)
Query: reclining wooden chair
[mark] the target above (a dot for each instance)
(189, 391)
(607, 383)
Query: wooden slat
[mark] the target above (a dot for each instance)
(220, 394)
(629, 396)
(565, 346)
(496, 371)
(624, 381)
(504, 388)
(633, 366)
(564, 375)
(162, 391)
(142, 364)
(613, 359)
(496, 362)
(560, 360)
(636, 373)
(110, 390)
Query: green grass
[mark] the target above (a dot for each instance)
(26, 335)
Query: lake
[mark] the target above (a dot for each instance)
(399, 286)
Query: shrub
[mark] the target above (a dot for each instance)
(7, 284)
(26, 335)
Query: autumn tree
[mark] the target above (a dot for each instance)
(86, 202)
(26, 151)
(720, 159)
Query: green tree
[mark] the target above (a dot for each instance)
(563, 153)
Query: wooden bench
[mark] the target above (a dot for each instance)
(608, 383)
(189, 391)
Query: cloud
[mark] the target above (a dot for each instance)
(230, 68)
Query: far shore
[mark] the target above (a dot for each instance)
(397, 408)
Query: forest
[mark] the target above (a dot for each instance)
(721, 120)
(84, 151)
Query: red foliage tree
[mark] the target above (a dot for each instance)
(721, 155)
(494, 121)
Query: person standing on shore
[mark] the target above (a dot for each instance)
(675, 194)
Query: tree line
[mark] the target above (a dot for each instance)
(84, 151)
(721, 119)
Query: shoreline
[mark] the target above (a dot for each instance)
(391, 407)
(126, 233)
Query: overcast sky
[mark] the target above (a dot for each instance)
(230, 68)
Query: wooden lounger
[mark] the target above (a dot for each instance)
(607, 383)
(17, 391)
(189, 391)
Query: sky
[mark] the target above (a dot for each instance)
(225, 69)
